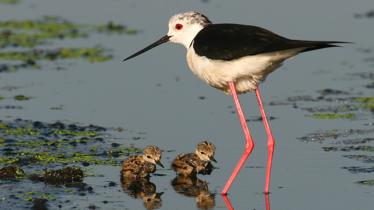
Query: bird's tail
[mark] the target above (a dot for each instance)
(315, 45)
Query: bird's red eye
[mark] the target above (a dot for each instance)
(178, 26)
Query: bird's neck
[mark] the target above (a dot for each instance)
(191, 34)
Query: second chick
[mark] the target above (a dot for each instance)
(191, 164)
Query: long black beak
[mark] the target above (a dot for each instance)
(159, 163)
(212, 159)
(155, 44)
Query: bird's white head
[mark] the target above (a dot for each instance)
(183, 28)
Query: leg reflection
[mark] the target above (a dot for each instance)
(227, 202)
(267, 201)
(229, 205)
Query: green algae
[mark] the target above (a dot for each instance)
(111, 27)
(95, 54)
(10, 1)
(9, 38)
(366, 102)
(75, 133)
(11, 172)
(8, 160)
(369, 182)
(31, 195)
(39, 144)
(21, 98)
(30, 33)
(332, 116)
(21, 132)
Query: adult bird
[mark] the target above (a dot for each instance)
(234, 58)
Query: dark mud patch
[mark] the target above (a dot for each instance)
(60, 176)
(358, 169)
(322, 136)
(11, 172)
(368, 14)
(332, 104)
(39, 204)
(38, 158)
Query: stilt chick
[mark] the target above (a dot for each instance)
(141, 166)
(193, 163)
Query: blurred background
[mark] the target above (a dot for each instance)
(61, 62)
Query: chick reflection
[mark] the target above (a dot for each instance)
(195, 187)
(143, 189)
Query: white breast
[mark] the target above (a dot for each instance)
(247, 72)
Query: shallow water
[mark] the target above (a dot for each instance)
(156, 95)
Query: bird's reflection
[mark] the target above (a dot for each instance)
(143, 189)
(230, 207)
(195, 187)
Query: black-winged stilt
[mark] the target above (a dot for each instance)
(235, 59)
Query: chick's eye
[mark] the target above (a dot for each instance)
(148, 156)
(203, 153)
(178, 26)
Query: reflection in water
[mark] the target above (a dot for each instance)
(195, 187)
(229, 205)
(143, 189)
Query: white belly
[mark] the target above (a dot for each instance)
(246, 72)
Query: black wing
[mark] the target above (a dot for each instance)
(232, 41)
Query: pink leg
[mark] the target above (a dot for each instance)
(267, 201)
(271, 142)
(249, 142)
(228, 203)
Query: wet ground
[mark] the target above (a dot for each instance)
(71, 111)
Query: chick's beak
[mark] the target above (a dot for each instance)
(212, 159)
(158, 162)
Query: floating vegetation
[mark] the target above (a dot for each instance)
(369, 182)
(332, 116)
(95, 54)
(11, 172)
(349, 148)
(30, 33)
(362, 158)
(331, 104)
(334, 134)
(359, 169)
(21, 98)
(366, 102)
(62, 176)
(10, 1)
(15, 67)
(23, 39)
(34, 143)
(354, 107)
(368, 14)
(32, 195)
(54, 154)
